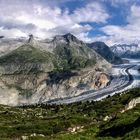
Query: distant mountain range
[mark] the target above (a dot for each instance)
(102, 49)
(125, 50)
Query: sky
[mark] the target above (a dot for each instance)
(110, 21)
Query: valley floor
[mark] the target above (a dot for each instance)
(100, 120)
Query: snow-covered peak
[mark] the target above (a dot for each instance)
(125, 50)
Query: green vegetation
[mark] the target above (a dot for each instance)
(78, 121)
(72, 57)
(41, 122)
(26, 54)
(63, 58)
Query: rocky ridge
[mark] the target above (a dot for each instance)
(38, 71)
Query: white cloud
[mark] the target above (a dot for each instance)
(129, 33)
(93, 12)
(45, 20)
(12, 32)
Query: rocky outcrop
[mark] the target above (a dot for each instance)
(75, 129)
(101, 81)
(132, 104)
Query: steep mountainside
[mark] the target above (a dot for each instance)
(63, 67)
(105, 51)
(124, 50)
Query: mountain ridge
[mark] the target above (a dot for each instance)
(105, 52)
(126, 50)
(37, 71)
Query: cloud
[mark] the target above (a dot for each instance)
(44, 19)
(12, 32)
(91, 13)
(129, 33)
(117, 3)
(74, 28)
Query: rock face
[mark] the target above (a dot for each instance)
(105, 52)
(101, 81)
(133, 103)
(39, 71)
(125, 50)
(9, 44)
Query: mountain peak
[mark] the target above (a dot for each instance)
(31, 38)
(1, 37)
(67, 38)
(70, 37)
(127, 50)
(104, 51)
